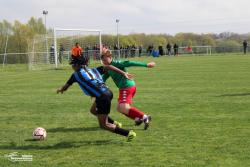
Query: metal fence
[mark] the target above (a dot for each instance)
(34, 58)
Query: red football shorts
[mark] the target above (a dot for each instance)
(126, 95)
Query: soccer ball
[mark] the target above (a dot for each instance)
(39, 133)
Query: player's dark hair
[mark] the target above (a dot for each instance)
(82, 60)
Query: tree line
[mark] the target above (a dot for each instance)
(20, 34)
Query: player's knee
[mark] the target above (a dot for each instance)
(118, 108)
(121, 108)
(93, 111)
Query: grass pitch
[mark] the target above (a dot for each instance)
(200, 108)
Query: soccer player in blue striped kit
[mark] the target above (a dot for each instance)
(91, 83)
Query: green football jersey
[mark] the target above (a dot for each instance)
(120, 80)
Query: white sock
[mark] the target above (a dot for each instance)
(145, 117)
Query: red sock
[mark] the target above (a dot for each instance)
(135, 113)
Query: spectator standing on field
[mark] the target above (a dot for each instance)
(116, 50)
(161, 52)
(245, 46)
(150, 50)
(169, 49)
(61, 51)
(126, 51)
(76, 51)
(176, 48)
(52, 54)
(133, 50)
(140, 50)
(189, 49)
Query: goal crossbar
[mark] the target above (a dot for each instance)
(56, 29)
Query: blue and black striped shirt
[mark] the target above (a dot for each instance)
(90, 81)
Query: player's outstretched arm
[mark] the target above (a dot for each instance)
(137, 64)
(71, 80)
(117, 70)
(63, 88)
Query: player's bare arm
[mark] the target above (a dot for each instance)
(151, 64)
(63, 88)
(113, 68)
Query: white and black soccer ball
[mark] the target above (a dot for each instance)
(39, 133)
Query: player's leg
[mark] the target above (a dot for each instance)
(134, 113)
(103, 122)
(125, 101)
(103, 106)
(124, 107)
(110, 120)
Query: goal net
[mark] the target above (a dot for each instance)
(54, 49)
(198, 50)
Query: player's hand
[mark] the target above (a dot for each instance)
(151, 64)
(129, 76)
(59, 91)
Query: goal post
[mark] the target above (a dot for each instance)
(56, 30)
(60, 42)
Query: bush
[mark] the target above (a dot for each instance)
(228, 46)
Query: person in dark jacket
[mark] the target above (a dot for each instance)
(61, 52)
(245, 46)
(176, 49)
(52, 54)
(169, 49)
(140, 50)
(161, 52)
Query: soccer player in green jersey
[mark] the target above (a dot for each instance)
(92, 84)
(127, 88)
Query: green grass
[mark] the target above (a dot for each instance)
(200, 108)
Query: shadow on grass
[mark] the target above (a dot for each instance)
(30, 140)
(79, 129)
(61, 145)
(53, 69)
(235, 94)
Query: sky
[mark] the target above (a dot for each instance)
(136, 16)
